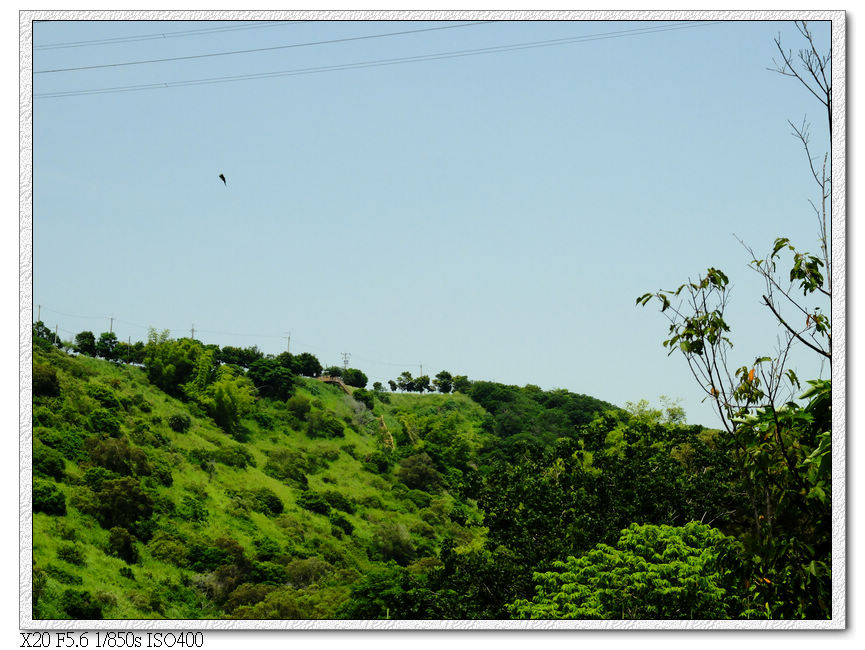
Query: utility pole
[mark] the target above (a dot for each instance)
(192, 331)
(39, 312)
(421, 369)
(288, 344)
(111, 325)
(345, 357)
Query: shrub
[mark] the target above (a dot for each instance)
(287, 465)
(69, 443)
(391, 541)
(80, 605)
(117, 455)
(314, 502)
(121, 502)
(48, 462)
(364, 397)
(298, 406)
(419, 473)
(339, 501)
(122, 544)
(45, 382)
(266, 501)
(48, 499)
(104, 421)
(179, 422)
(302, 573)
(71, 553)
(324, 425)
(341, 523)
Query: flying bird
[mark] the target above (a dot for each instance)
(222, 178)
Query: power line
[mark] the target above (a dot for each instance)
(380, 62)
(164, 35)
(264, 49)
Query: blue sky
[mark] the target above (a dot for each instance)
(493, 215)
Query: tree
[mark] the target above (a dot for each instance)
(271, 378)
(781, 446)
(405, 381)
(444, 381)
(653, 572)
(106, 346)
(43, 333)
(354, 377)
(422, 384)
(308, 365)
(85, 343)
(170, 363)
(228, 398)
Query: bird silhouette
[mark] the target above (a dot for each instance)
(222, 178)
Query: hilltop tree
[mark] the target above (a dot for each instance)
(85, 343)
(444, 381)
(106, 346)
(355, 377)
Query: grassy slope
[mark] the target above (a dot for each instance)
(72, 552)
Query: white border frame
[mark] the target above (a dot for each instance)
(839, 323)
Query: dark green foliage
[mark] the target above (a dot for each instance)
(323, 425)
(122, 544)
(85, 343)
(339, 501)
(418, 472)
(117, 455)
(179, 422)
(71, 553)
(193, 508)
(69, 444)
(288, 465)
(391, 541)
(48, 462)
(365, 397)
(106, 346)
(266, 501)
(268, 573)
(307, 365)
(48, 498)
(106, 397)
(354, 377)
(45, 382)
(341, 523)
(80, 605)
(298, 406)
(104, 421)
(63, 576)
(444, 382)
(119, 502)
(271, 378)
(378, 461)
(42, 335)
(314, 502)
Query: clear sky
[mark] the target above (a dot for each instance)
(492, 214)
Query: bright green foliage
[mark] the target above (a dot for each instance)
(786, 454)
(170, 363)
(228, 398)
(653, 572)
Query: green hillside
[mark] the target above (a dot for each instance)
(198, 484)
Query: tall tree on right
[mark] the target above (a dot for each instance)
(782, 446)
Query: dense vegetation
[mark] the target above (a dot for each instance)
(187, 487)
